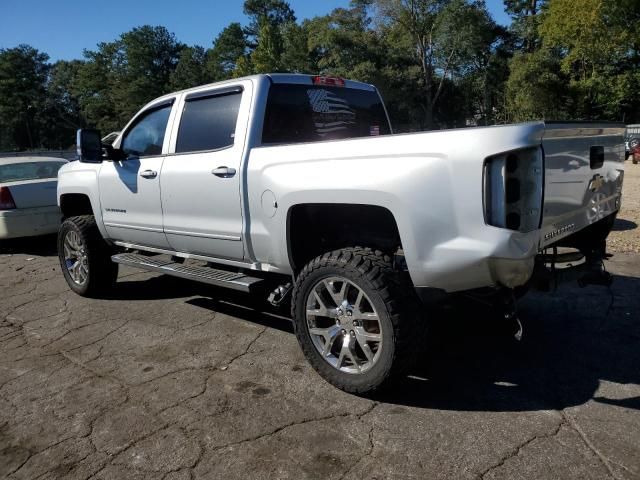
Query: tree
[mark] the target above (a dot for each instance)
(190, 70)
(598, 51)
(343, 45)
(296, 57)
(62, 106)
(438, 43)
(23, 77)
(275, 12)
(121, 76)
(536, 88)
(525, 15)
(230, 45)
(267, 55)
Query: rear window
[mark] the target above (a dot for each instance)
(306, 113)
(29, 171)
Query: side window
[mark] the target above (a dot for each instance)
(147, 135)
(208, 123)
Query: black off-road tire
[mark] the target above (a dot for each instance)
(399, 311)
(102, 272)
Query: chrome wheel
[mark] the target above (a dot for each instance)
(76, 260)
(344, 325)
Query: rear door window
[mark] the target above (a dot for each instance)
(15, 172)
(311, 113)
(208, 122)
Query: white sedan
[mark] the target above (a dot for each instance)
(28, 204)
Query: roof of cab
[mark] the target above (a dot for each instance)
(292, 78)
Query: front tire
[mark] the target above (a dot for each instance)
(85, 258)
(357, 319)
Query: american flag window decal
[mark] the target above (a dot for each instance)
(330, 112)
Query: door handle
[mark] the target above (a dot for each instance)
(224, 172)
(149, 174)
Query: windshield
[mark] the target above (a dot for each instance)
(29, 171)
(307, 113)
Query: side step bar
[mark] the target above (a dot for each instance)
(212, 276)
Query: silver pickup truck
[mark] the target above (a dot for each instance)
(295, 184)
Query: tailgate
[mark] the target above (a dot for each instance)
(583, 176)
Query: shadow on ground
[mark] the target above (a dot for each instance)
(44, 246)
(572, 341)
(622, 225)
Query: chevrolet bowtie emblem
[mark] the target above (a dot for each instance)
(596, 182)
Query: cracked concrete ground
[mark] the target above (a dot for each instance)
(169, 379)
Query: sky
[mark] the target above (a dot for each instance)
(64, 28)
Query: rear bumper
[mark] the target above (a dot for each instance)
(29, 222)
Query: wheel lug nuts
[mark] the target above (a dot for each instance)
(349, 313)
(352, 333)
(344, 332)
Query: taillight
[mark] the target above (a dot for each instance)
(331, 81)
(6, 199)
(513, 185)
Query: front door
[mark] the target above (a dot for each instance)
(200, 181)
(130, 189)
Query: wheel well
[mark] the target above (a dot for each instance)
(74, 204)
(313, 229)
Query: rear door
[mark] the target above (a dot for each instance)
(200, 180)
(130, 189)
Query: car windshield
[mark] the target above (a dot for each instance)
(312, 113)
(14, 172)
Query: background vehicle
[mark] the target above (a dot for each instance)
(634, 150)
(631, 132)
(110, 138)
(294, 182)
(28, 204)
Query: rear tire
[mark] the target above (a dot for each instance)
(367, 328)
(85, 258)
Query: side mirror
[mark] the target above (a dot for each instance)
(89, 145)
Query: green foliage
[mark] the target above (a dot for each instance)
(191, 69)
(438, 63)
(230, 45)
(536, 88)
(525, 16)
(267, 55)
(275, 12)
(584, 66)
(23, 75)
(62, 106)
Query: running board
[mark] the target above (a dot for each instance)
(212, 276)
